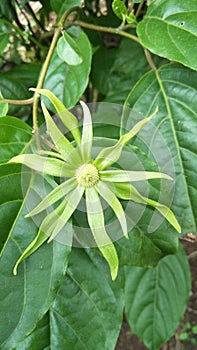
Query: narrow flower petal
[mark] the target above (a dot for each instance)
(107, 194)
(128, 192)
(50, 166)
(97, 225)
(87, 134)
(127, 176)
(110, 155)
(58, 192)
(60, 141)
(41, 237)
(51, 154)
(69, 120)
(72, 201)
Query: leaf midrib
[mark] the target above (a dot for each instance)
(165, 97)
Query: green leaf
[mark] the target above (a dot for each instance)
(174, 91)
(123, 66)
(68, 50)
(151, 308)
(69, 82)
(170, 30)
(38, 278)
(4, 40)
(14, 85)
(96, 221)
(14, 135)
(3, 107)
(50, 166)
(87, 293)
(60, 6)
(66, 326)
(119, 9)
(25, 73)
(39, 338)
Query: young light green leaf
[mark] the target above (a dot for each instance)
(127, 176)
(72, 200)
(87, 134)
(68, 50)
(110, 155)
(58, 192)
(61, 142)
(131, 18)
(119, 9)
(69, 120)
(50, 166)
(128, 192)
(97, 225)
(109, 196)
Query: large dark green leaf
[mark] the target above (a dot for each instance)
(155, 299)
(15, 84)
(25, 298)
(14, 135)
(87, 294)
(69, 82)
(122, 66)
(174, 91)
(26, 73)
(144, 248)
(170, 30)
(39, 338)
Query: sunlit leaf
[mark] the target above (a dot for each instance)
(68, 50)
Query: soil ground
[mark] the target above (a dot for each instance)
(129, 341)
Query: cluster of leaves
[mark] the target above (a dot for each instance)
(57, 291)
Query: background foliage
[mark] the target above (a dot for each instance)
(50, 303)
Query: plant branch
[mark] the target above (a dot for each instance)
(47, 62)
(139, 9)
(29, 101)
(111, 30)
(150, 60)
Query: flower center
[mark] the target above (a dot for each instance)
(87, 175)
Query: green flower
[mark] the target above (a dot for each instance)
(88, 178)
